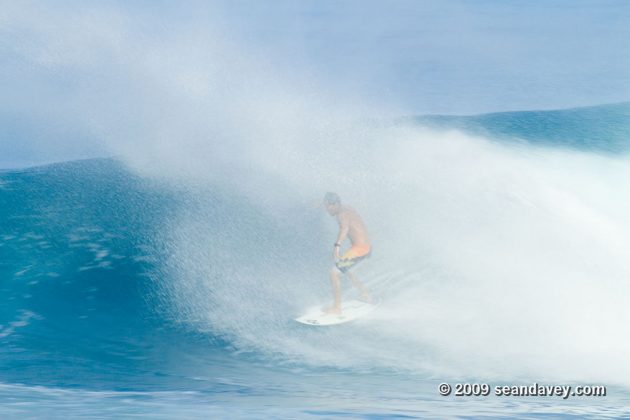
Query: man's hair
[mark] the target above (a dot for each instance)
(332, 198)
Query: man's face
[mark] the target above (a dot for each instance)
(332, 208)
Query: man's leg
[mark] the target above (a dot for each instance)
(336, 286)
(365, 295)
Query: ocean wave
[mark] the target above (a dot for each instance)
(493, 259)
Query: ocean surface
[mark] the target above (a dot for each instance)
(500, 254)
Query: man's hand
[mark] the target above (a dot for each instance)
(336, 252)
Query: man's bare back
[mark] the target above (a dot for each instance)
(357, 233)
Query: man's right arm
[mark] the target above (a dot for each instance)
(344, 228)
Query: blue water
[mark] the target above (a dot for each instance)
(114, 304)
(604, 128)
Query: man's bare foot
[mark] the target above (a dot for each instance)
(365, 297)
(332, 311)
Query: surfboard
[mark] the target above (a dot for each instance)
(350, 310)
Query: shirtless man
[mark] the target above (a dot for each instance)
(351, 226)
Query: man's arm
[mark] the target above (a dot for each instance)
(344, 228)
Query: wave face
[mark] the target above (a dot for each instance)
(495, 259)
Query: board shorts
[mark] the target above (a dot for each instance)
(352, 257)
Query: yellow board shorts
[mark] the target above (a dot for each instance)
(352, 257)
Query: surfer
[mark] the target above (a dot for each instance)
(350, 226)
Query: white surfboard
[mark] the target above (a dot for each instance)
(350, 310)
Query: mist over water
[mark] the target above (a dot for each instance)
(495, 258)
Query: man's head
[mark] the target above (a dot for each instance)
(332, 202)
